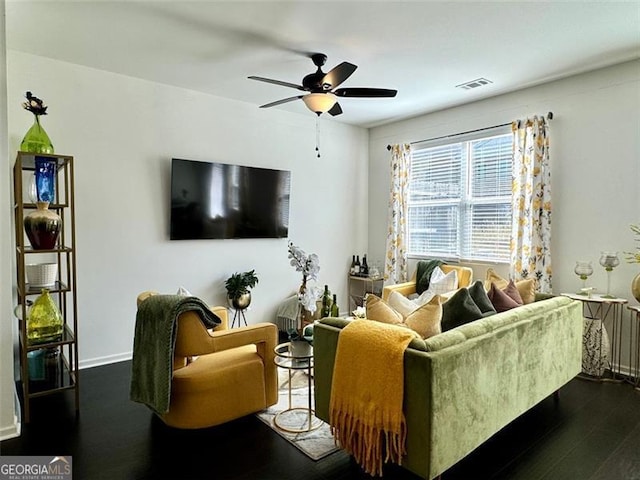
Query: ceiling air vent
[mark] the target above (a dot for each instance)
(478, 82)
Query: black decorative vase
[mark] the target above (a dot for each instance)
(42, 227)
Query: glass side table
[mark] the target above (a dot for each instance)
(296, 419)
(598, 354)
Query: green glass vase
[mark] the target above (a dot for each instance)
(36, 139)
(44, 323)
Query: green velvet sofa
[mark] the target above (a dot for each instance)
(464, 385)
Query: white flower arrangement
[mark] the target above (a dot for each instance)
(360, 312)
(309, 265)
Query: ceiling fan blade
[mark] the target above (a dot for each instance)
(365, 92)
(278, 82)
(335, 110)
(338, 75)
(280, 102)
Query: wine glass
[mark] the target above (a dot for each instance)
(583, 270)
(609, 260)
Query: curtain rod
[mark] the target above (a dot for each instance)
(549, 117)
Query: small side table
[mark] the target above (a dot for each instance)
(634, 346)
(292, 362)
(595, 340)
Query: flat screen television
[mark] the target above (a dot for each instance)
(217, 200)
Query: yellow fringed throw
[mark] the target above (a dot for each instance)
(365, 411)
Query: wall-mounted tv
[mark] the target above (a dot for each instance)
(217, 200)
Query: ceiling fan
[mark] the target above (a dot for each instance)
(323, 95)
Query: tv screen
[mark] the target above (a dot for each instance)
(218, 200)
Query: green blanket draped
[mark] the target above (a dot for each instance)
(154, 343)
(423, 274)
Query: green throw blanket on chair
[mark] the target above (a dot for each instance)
(154, 343)
(423, 274)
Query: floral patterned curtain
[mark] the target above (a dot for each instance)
(395, 265)
(531, 203)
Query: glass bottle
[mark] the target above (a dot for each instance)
(357, 270)
(335, 311)
(364, 269)
(326, 302)
(352, 270)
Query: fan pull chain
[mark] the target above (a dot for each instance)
(318, 135)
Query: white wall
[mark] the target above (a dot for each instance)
(123, 133)
(595, 168)
(9, 425)
(595, 164)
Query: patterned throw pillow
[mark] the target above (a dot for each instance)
(440, 284)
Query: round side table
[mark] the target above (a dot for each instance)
(292, 361)
(598, 353)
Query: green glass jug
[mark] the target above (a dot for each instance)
(36, 139)
(45, 322)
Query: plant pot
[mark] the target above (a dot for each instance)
(240, 303)
(635, 287)
(300, 349)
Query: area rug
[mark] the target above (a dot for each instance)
(315, 444)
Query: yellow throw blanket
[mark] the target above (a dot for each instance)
(365, 412)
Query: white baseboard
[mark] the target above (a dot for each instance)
(98, 361)
(13, 431)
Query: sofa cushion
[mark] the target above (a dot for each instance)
(422, 319)
(500, 300)
(426, 319)
(480, 297)
(526, 288)
(513, 292)
(424, 270)
(459, 309)
(381, 311)
(441, 284)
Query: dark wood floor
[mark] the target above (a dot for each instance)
(592, 433)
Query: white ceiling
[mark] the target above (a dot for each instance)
(422, 49)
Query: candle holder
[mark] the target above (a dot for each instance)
(609, 260)
(584, 270)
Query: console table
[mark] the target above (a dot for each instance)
(360, 286)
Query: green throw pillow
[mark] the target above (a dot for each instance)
(480, 298)
(459, 309)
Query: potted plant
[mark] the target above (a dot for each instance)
(239, 287)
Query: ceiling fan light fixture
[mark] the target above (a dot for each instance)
(320, 102)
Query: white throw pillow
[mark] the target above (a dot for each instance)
(183, 292)
(439, 284)
(401, 304)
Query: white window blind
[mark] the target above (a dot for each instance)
(460, 200)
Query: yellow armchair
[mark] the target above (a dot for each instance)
(465, 276)
(220, 374)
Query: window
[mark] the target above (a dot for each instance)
(460, 200)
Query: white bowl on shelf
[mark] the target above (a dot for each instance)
(42, 274)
